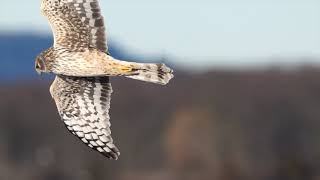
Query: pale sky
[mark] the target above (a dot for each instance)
(215, 32)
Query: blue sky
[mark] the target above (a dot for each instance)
(215, 32)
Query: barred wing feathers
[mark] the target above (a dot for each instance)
(83, 104)
(76, 24)
(90, 14)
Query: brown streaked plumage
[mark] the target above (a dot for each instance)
(80, 59)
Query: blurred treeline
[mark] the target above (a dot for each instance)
(224, 125)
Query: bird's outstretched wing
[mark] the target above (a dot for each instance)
(83, 104)
(76, 24)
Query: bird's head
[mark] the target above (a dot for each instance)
(40, 64)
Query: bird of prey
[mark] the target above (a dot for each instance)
(82, 64)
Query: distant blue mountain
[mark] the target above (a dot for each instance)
(17, 54)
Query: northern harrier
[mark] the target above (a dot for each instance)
(82, 64)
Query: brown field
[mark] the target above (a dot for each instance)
(224, 125)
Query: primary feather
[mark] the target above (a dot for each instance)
(83, 104)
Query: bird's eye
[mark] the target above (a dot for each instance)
(37, 66)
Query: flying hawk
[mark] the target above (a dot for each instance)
(82, 64)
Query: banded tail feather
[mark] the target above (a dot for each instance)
(155, 73)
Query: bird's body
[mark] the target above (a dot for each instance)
(91, 62)
(86, 63)
(83, 65)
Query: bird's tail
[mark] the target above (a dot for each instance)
(157, 73)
